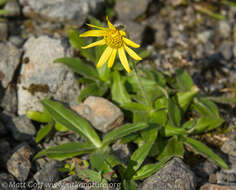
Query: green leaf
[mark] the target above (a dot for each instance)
(150, 169)
(189, 124)
(77, 42)
(158, 117)
(129, 185)
(140, 116)
(90, 175)
(140, 154)
(104, 73)
(161, 103)
(184, 81)
(185, 98)
(209, 12)
(2, 2)
(98, 162)
(170, 131)
(207, 123)
(72, 121)
(133, 106)
(204, 150)
(92, 89)
(205, 107)
(123, 131)
(43, 132)
(78, 66)
(174, 147)
(60, 127)
(129, 138)
(64, 151)
(38, 116)
(222, 100)
(174, 113)
(3, 12)
(118, 91)
(112, 160)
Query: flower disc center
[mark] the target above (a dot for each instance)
(113, 39)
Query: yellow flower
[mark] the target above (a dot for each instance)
(116, 42)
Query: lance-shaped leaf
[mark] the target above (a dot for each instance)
(78, 66)
(123, 131)
(150, 169)
(141, 153)
(72, 121)
(118, 91)
(65, 151)
(174, 113)
(205, 151)
(43, 117)
(43, 132)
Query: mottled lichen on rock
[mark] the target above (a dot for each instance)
(33, 88)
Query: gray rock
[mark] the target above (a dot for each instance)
(226, 177)
(121, 151)
(19, 163)
(131, 9)
(224, 29)
(134, 30)
(69, 183)
(3, 130)
(7, 182)
(21, 127)
(49, 173)
(229, 147)
(5, 151)
(73, 11)
(3, 31)
(234, 51)
(9, 60)
(12, 8)
(9, 100)
(204, 37)
(209, 186)
(102, 114)
(226, 49)
(175, 175)
(40, 77)
(16, 40)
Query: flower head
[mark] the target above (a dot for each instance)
(115, 41)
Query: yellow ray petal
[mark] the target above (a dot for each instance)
(98, 27)
(105, 56)
(123, 59)
(110, 25)
(130, 43)
(112, 58)
(132, 53)
(93, 33)
(97, 43)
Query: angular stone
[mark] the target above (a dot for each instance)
(217, 187)
(73, 11)
(40, 77)
(226, 176)
(12, 8)
(229, 147)
(19, 163)
(121, 151)
(9, 100)
(102, 114)
(130, 10)
(49, 173)
(3, 31)
(226, 49)
(224, 29)
(21, 127)
(175, 175)
(69, 183)
(9, 60)
(7, 182)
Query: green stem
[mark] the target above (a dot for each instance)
(140, 85)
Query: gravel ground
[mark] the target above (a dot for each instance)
(33, 34)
